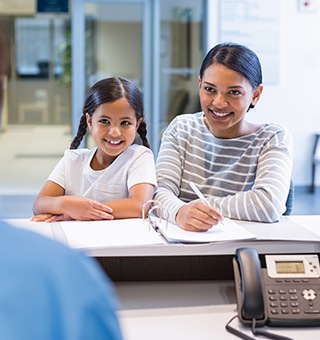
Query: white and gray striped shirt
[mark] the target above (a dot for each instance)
(247, 178)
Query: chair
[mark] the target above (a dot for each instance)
(290, 199)
(315, 161)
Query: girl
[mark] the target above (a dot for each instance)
(243, 169)
(115, 178)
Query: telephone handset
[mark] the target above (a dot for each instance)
(286, 292)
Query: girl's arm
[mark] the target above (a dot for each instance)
(131, 207)
(52, 201)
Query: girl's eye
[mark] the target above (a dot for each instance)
(126, 123)
(104, 121)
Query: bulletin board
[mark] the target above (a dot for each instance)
(256, 24)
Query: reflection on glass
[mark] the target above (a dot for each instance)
(181, 55)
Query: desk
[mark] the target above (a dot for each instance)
(193, 261)
(185, 311)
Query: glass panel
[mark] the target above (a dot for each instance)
(113, 43)
(181, 56)
(36, 120)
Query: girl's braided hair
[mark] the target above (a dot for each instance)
(109, 90)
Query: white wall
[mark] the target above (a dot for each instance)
(293, 102)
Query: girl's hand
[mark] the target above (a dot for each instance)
(197, 216)
(84, 209)
(42, 218)
(49, 218)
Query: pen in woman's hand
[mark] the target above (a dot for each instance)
(200, 195)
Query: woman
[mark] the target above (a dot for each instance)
(242, 168)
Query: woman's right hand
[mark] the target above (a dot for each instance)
(197, 216)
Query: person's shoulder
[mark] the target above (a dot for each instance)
(187, 122)
(76, 154)
(31, 243)
(136, 150)
(51, 258)
(274, 129)
(189, 118)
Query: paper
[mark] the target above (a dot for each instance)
(115, 233)
(228, 231)
(37, 227)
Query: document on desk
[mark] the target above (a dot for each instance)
(227, 232)
(115, 233)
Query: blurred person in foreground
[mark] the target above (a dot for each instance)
(47, 290)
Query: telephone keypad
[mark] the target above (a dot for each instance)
(299, 299)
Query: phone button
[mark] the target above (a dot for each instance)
(312, 311)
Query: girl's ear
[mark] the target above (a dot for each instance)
(138, 123)
(89, 120)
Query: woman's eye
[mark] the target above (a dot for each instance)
(209, 89)
(235, 92)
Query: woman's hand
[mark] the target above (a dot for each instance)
(197, 216)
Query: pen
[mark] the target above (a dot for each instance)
(200, 195)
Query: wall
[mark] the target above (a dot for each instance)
(293, 102)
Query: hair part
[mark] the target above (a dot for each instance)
(109, 90)
(235, 57)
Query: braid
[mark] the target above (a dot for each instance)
(142, 131)
(82, 130)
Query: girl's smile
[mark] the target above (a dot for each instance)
(113, 128)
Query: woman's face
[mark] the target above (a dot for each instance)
(225, 97)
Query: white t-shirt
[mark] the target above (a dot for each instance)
(134, 165)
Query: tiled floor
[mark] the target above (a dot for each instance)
(29, 153)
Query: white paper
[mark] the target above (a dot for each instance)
(115, 233)
(37, 227)
(228, 231)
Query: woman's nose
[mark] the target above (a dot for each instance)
(219, 101)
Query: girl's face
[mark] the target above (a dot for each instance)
(113, 128)
(225, 97)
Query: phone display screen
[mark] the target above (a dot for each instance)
(290, 267)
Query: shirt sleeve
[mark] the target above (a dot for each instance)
(142, 169)
(169, 171)
(266, 200)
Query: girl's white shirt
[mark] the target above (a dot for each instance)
(133, 166)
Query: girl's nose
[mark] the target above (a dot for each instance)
(114, 131)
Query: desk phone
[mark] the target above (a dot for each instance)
(286, 292)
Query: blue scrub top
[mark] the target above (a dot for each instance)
(48, 291)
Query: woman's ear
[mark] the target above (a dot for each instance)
(89, 120)
(256, 95)
(199, 82)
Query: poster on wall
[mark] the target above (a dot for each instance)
(256, 24)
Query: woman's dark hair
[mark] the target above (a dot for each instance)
(109, 90)
(235, 57)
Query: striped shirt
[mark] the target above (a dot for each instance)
(246, 178)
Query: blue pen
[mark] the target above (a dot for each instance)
(200, 195)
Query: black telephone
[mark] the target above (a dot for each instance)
(286, 292)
